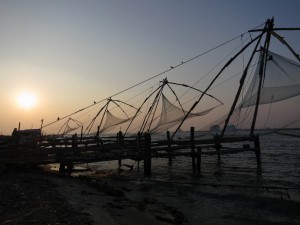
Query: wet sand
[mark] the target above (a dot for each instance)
(30, 197)
(33, 196)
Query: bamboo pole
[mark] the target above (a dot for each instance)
(120, 143)
(169, 148)
(193, 148)
(199, 151)
(218, 148)
(138, 146)
(257, 149)
(147, 155)
(262, 71)
(242, 80)
(213, 81)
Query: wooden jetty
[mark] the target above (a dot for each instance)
(69, 151)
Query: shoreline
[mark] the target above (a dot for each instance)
(42, 196)
(39, 196)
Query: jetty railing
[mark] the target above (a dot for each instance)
(68, 151)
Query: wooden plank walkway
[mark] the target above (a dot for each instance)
(77, 150)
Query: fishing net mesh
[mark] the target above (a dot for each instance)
(281, 82)
(111, 122)
(172, 115)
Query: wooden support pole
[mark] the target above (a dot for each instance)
(81, 133)
(147, 155)
(61, 158)
(138, 146)
(53, 142)
(62, 167)
(74, 141)
(70, 167)
(257, 149)
(120, 137)
(97, 135)
(218, 147)
(120, 142)
(193, 148)
(169, 148)
(199, 151)
(138, 141)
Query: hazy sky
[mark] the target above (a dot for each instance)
(70, 53)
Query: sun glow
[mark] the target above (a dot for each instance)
(27, 100)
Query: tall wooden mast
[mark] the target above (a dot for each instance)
(262, 69)
(242, 80)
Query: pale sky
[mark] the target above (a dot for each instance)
(70, 53)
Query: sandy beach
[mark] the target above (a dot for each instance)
(36, 196)
(32, 196)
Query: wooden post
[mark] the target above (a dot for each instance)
(199, 151)
(138, 141)
(53, 142)
(147, 155)
(138, 146)
(61, 158)
(70, 167)
(218, 147)
(97, 135)
(81, 133)
(257, 149)
(193, 148)
(62, 167)
(42, 121)
(120, 143)
(169, 148)
(41, 136)
(74, 141)
(66, 142)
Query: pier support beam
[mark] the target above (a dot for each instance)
(257, 149)
(74, 141)
(66, 167)
(62, 167)
(120, 140)
(147, 156)
(218, 148)
(97, 135)
(169, 148)
(138, 147)
(199, 151)
(193, 149)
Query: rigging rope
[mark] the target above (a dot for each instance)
(144, 81)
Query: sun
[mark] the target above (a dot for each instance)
(26, 100)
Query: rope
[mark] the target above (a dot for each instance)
(144, 81)
(269, 112)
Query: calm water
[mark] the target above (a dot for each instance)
(205, 193)
(280, 156)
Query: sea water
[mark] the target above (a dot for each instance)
(236, 186)
(280, 166)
